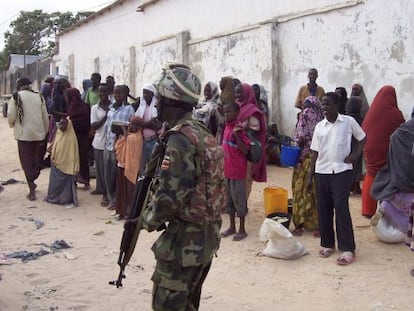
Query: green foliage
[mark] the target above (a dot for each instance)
(4, 59)
(34, 33)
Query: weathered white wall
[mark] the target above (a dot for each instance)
(371, 44)
(269, 42)
(245, 55)
(109, 35)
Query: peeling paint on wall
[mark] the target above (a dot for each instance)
(364, 44)
(369, 43)
(398, 51)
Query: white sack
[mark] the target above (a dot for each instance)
(387, 233)
(281, 243)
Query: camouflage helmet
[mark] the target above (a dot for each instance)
(179, 83)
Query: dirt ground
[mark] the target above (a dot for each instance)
(77, 278)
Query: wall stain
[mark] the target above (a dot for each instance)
(266, 75)
(406, 86)
(197, 56)
(398, 51)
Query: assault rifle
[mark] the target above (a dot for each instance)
(132, 227)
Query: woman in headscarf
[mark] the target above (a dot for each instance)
(147, 110)
(252, 119)
(207, 110)
(358, 90)
(64, 166)
(226, 97)
(305, 213)
(261, 100)
(380, 122)
(353, 109)
(86, 84)
(227, 90)
(394, 184)
(343, 98)
(79, 114)
(46, 91)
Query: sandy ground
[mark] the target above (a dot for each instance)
(77, 278)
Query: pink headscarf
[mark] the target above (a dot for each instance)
(248, 108)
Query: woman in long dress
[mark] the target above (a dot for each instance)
(64, 166)
(207, 110)
(381, 120)
(79, 114)
(305, 214)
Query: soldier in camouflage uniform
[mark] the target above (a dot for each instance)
(189, 196)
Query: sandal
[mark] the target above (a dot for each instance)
(325, 252)
(297, 231)
(239, 236)
(227, 232)
(345, 259)
(104, 202)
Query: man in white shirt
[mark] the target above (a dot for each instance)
(98, 118)
(332, 163)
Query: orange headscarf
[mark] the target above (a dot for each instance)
(133, 151)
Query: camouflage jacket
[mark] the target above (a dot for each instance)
(188, 239)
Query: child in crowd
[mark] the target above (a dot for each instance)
(235, 146)
(332, 160)
(128, 149)
(274, 142)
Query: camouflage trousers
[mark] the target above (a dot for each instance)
(177, 288)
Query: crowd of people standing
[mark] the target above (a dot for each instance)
(343, 141)
(92, 113)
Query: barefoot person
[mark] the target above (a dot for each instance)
(332, 161)
(235, 146)
(27, 114)
(252, 119)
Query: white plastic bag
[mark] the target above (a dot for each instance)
(386, 232)
(281, 243)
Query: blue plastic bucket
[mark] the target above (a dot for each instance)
(289, 155)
